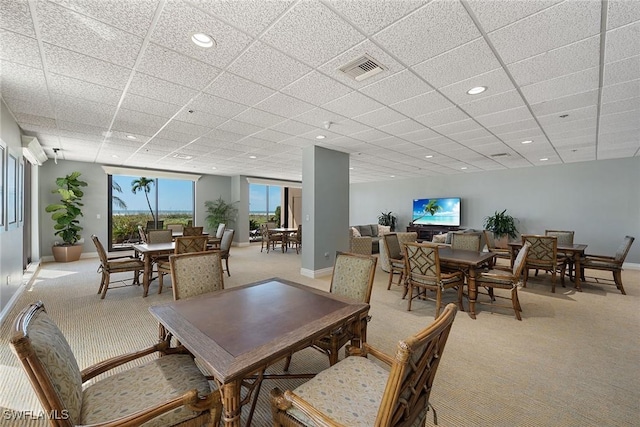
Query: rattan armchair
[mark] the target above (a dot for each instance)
(116, 264)
(359, 392)
(466, 241)
(183, 245)
(169, 390)
(490, 238)
(225, 248)
(609, 263)
(504, 278)
(423, 274)
(214, 241)
(543, 255)
(295, 239)
(196, 273)
(269, 238)
(396, 260)
(192, 231)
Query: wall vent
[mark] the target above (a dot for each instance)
(362, 68)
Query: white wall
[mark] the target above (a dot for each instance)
(599, 200)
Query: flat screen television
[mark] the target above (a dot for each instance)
(446, 211)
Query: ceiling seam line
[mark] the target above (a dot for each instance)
(603, 41)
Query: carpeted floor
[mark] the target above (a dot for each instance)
(572, 361)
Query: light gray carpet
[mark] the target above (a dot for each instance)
(572, 361)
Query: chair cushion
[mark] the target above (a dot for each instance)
(129, 264)
(349, 392)
(144, 386)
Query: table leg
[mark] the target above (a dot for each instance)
(147, 273)
(473, 292)
(576, 271)
(231, 404)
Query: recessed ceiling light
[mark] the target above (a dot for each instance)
(350, 169)
(115, 156)
(464, 168)
(392, 176)
(252, 157)
(476, 90)
(528, 141)
(202, 40)
(131, 137)
(213, 167)
(429, 156)
(320, 137)
(544, 159)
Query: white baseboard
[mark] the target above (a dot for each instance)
(28, 278)
(314, 274)
(49, 258)
(631, 265)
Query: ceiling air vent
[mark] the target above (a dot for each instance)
(500, 155)
(362, 68)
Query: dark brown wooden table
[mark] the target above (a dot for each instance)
(469, 261)
(148, 251)
(574, 251)
(240, 331)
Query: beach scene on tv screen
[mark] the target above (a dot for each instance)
(441, 211)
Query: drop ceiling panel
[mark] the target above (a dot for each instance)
(312, 33)
(630, 89)
(251, 16)
(152, 87)
(621, 12)
(371, 17)
(284, 105)
(352, 105)
(496, 82)
(623, 42)
(73, 31)
(265, 65)
(150, 106)
(556, 26)
(18, 48)
(316, 88)
(445, 24)
(205, 120)
(238, 127)
(216, 106)
(17, 17)
(505, 116)
(493, 15)
(396, 88)
(30, 119)
(402, 127)
(259, 117)
(458, 64)
(571, 102)
(22, 82)
(380, 117)
(83, 67)
(621, 106)
(442, 117)
(570, 84)
(622, 71)
(32, 107)
(82, 89)
(238, 89)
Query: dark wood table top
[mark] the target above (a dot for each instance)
(470, 258)
(237, 331)
(577, 247)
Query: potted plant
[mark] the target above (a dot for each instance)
(219, 212)
(387, 218)
(66, 214)
(503, 227)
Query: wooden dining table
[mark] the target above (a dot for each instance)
(575, 251)
(238, 332)
(286, 232)
(148, 251)
(470, 262)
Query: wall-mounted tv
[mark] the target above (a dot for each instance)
(440, 211)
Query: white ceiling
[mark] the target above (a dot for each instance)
(81, 75)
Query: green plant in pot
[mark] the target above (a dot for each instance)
(65, 214)
(387, 218)
(219, 212)
(503, 227)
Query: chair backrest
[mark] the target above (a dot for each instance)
(623, 249)
(299, 234)
(152, 226)
(406, 395)
(466, 241)
(264, 232)
(422, 262)
(188, 244)
(192, 231)
(392, 246)
(220, 231)
(47, 359)
(353, 276)
(227, 239)
(565, 237)
(543, 250)
(175, 227)
(101, 252)
(490, 239)
(518, 264)
(159, 236)
(196, 273)
(143, 235)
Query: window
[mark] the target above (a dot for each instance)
(265, 203)
(148, 202)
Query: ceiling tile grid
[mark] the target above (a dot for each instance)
(85, 76)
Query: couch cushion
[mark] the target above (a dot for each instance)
(383, 229)
(355, 232)
(439, 238)
(365, 230)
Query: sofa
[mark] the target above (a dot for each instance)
(445, 238)
(365, 239)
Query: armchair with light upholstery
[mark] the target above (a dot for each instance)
(543, 255)
(165, 391)
(403, 237)
(359, 244)
(116, 264)
(609, 263)
(183, 245)
(358, 391)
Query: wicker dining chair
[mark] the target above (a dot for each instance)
(490, 238)
(192, 231)
(196, 273)
(214, 241)
(543, 255)
(178, 228)
(142, 234)
(295, 239)
(169, 390)
(358, 391)
(565, 238)
(424, 274)
(505, 278)
(225, 248)
(609, 263)
(466, 241)
(116, 264)
(396, 260)
(183, 245)
(269, 238)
